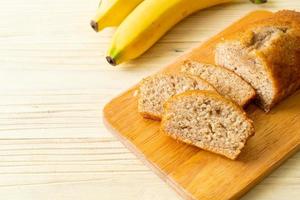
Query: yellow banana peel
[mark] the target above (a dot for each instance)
(112, 12)
(147, 23)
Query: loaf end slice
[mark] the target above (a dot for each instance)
(207, 120)
(266, 55)
(225, 81)
(156, 89)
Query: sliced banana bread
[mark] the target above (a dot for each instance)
(156, 89)
(207, 120)
(225, 81)
(267, 55)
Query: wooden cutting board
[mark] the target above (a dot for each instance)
(197, 174)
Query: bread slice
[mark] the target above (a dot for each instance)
(267, 55)
(207, 120)
(225, 81)
(156, 89)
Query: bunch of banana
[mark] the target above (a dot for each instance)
(143, 22)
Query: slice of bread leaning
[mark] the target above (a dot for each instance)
(267, 55)
(156, 89)
(225, 81)
(207, 120)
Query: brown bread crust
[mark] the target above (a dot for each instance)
(282, 60)
(150, 116)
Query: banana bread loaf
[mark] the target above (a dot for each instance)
(267, 55)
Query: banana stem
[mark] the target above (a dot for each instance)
(259, 1)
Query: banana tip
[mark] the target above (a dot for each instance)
(111, 61)
(94, 25)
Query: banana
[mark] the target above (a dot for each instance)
(112, 13)
(147, 23)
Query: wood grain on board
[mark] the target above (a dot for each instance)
(197, 174)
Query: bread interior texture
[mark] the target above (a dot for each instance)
(208, 123)
(155, 90)
(225, 81)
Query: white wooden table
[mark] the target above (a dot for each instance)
(54, 83)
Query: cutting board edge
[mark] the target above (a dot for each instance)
(132, 148)
(267, 172)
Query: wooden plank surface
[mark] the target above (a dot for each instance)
(54, 83)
